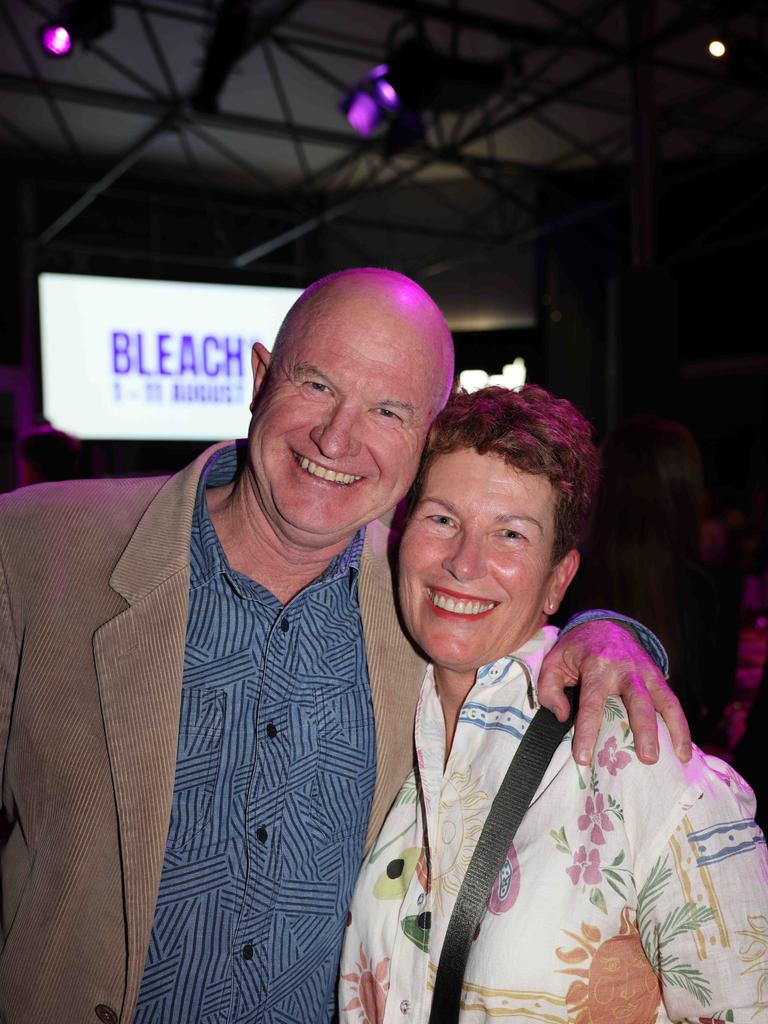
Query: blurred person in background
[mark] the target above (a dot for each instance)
(642, 556)
(48, 455)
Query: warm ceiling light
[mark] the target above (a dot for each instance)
(716, 48)
(512, 376)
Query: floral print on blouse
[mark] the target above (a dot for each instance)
(632, 893)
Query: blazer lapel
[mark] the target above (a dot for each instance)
(139, 657)
(395, 669)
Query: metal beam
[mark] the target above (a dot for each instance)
(685, 22)
(240, 26)
(154, 45)
(285, 107)
(513, 32)
(154, 108)
(121, 252)
(323, 217)
(95, 190)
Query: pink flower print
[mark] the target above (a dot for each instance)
(579, 860)
(592, 873)
(612, 758)
(594, 815)
(589, 864)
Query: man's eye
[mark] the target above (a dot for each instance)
(316, 385)
(512, 535)
(387, 414)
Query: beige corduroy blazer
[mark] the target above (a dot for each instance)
(94, 579)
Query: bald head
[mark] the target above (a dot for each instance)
(382, 303)
(343, 404)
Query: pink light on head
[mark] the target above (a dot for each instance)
(56, 40)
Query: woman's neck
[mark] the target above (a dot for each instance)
(452, 689)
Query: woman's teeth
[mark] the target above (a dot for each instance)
(326, 474)
(457, 606)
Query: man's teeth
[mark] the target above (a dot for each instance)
(459, 607)
(326, 474)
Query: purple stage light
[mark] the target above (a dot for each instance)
(56, 40)
(362, 112)
(386, 94)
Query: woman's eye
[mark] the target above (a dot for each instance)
(512, 535)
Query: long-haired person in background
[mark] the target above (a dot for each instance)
(642, 556)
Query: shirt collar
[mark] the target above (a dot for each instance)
(221, 469)
(528, 657)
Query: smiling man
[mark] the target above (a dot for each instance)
(205, 695)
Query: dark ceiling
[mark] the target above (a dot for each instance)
(208, 136)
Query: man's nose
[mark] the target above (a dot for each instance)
(465, 561)
(337, 437)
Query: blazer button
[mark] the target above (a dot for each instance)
(105, 1014)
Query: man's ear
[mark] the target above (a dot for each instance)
(261, 358)
(562, 575)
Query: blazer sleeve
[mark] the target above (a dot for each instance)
(9, 663)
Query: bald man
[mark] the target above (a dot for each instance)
(205, 695)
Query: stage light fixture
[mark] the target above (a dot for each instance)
(716, 48)
(56, 40)
(415, 79)
(370, 100)
(80, 22)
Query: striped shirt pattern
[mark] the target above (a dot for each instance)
(274, 781)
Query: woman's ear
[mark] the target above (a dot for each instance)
(562, 574)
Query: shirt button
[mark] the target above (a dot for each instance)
(247, 951)
(405, 1006)
(271, 730)
(284, 624)
(261, 834)
(105, 1014)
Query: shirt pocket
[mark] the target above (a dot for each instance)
(198, 757)
(342, 790)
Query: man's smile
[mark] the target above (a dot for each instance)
(325, 474)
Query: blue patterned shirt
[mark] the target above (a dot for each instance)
(274, 781)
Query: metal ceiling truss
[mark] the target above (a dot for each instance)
(328, 195)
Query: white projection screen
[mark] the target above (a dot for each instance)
(126, 359)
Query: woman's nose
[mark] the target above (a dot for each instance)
(465, 561)
(337, 437)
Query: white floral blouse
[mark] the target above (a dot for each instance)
(631, 893)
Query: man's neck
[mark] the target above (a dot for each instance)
(253, 548)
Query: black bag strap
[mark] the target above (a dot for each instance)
(518, 788)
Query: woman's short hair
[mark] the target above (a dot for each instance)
(532, 431)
